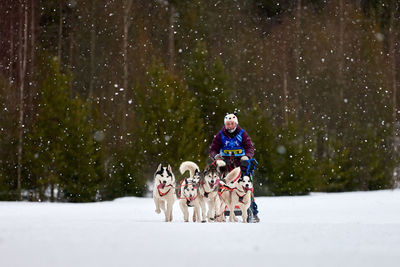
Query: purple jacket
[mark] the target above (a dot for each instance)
(246, 142)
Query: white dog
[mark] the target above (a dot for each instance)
(194, 179)
(164, 191)
(208, 190)
(241, 196)
(225, 194)
(189, 198)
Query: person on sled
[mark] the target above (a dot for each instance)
(233, 138)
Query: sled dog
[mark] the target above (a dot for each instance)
(195, 175)
(241, 196)
(208, 190)
(164, 191)
(189, 198)
(225, 194)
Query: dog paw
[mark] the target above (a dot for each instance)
(203, 221)
(158, 211)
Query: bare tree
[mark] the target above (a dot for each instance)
(22, 72)
(341, 52)
(297, 54)
(60, 32)
(171, 40)
(393, 72)
(127, 23)
(92, 49)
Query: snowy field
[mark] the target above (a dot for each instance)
(346, 229)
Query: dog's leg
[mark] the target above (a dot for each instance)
(162, 204)
(157, 202)
(211, 211)
(244, 213)
(184, 209)
(168, 213)
(196, 212)
(232, 217)
(203, 210)
(216, 205)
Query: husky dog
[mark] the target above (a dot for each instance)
(164, 190)
(241, 196)
(225, 194)
(208, 189)
(194, 178)
(189, 198)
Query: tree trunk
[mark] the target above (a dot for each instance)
(12, 59)
(22, 61)
(127, 23)
(60, 33)
(393, 74)
(297, 54)
(341, 52)
(92, 50)
(171, 41)
(285, 91)
(31, 57)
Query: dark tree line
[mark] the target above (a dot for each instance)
(94, 94)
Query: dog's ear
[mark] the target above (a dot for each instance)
(159, 167)
(169, 168)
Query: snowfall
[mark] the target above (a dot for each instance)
(336, 229)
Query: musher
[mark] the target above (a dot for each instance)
(233, 144)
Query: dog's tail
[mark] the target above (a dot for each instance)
(233, 175)
(189, 166)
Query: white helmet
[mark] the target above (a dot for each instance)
(231, 117)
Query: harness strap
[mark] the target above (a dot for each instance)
(161, 186)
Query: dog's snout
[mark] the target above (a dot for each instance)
(212, 181)
(164, 182)
(247, 185)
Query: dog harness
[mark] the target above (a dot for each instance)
(162, 186)
(189, 200)
(211, 186)
(232, 146)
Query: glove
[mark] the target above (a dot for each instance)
(218, 156)
(244, 158)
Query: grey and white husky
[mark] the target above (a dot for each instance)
(164, 191)
(208, 189)
(189, 188)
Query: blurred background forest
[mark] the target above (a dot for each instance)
(95, 93)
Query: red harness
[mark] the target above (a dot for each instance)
(162, 186)
(190, 199)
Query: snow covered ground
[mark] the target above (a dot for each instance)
(345, 229)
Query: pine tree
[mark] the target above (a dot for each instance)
(285, 160)
(208, 82)
(8, 141)
(61, 151)
(171, 128)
